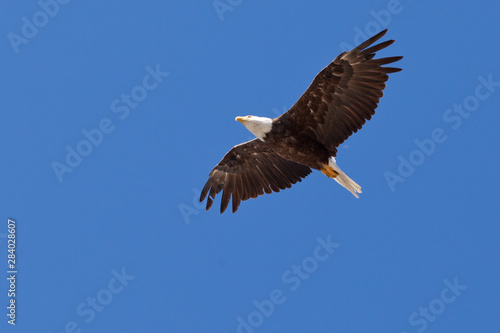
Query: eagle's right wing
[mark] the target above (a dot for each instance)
(247, 171)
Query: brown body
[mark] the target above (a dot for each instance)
(298, 147)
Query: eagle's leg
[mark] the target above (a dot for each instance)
(332, 170)
(328, 171)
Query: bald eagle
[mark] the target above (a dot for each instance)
(337, 103)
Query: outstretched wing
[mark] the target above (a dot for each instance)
(343, 95)
(247, 171)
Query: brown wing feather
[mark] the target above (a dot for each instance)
(249, 170)
(343, 96)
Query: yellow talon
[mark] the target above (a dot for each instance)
(329, 172)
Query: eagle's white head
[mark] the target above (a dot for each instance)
(259, 126)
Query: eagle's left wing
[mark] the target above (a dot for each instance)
(343, 96)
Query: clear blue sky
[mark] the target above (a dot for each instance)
(113, 114)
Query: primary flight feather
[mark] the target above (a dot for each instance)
(341, 98)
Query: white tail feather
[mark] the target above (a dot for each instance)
(344, 180)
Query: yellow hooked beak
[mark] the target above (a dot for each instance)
(240, 119)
